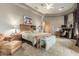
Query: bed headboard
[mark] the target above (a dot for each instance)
(24, 27)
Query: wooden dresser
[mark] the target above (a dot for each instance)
(24, 27)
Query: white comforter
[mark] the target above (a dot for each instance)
(30, 36)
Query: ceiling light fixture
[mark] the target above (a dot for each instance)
(49, 6)
(60, 9)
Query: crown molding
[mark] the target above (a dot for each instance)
(24, 6)
(66, 12)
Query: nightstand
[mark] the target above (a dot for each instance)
(58, 34)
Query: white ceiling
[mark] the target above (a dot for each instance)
(41, 7)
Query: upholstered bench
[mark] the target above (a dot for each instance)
(48, 42)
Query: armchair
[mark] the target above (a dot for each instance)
(8, 45)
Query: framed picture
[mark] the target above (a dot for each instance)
(27, 20)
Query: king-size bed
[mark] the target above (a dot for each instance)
(35, 37)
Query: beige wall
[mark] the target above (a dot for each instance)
(11, 14)
(59, 20)
(56, 21)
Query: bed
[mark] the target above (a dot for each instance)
(34, 37)
(30, 36)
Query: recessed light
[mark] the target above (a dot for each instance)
(60, 9)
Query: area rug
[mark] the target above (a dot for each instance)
(61, 48)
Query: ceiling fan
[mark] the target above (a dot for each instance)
(47, 5)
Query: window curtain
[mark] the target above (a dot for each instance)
(75, 29)
(65, 19)
(77, 22)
